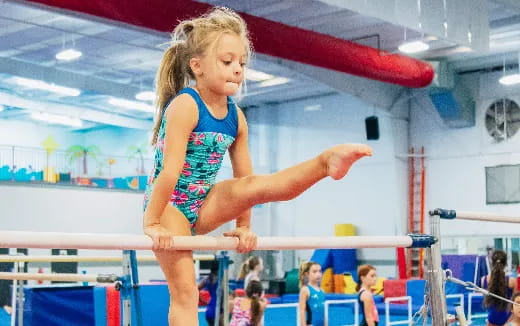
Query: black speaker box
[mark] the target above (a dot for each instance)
(372, 128)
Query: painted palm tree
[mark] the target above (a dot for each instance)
(76, 152)
(138, 151)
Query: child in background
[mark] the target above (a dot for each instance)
(210, 283)
(249, 311)
(366, 280)
(251, 269)
(312, 297)
(497, 282)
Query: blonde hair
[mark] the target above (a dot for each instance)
(305, 268)
(192, 38)
(247, 266)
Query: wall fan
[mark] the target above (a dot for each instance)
(502, 119)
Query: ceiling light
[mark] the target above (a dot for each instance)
(145, 96)
(413, 47)
(510, 79)
(274, 81)
(38, 84)
(68, 55)
(57, 119)
(133, 105)
(256, 75)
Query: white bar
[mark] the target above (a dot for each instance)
(387, 310)
(49, 277)
(356, 309)
(74, 258)
(476, 216)
(55, 240)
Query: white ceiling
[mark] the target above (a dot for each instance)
(120, 60)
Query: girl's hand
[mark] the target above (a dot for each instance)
(161, 237)
(246, 239)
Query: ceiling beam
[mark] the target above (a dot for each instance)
(68, 79)
(74, 111)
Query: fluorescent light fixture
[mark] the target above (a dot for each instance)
(68, 55)
(310, 108)
(38, 84)
(145, 96)
(510, 79)
(273, 82)
(133, 105)
(256, 75)
(57, 119)
(413, 47)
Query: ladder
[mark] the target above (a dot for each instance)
(416, 211)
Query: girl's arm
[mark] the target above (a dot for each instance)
(302, 302)
(241, 161)
(182, 117)
(368, 305)
(242, 166)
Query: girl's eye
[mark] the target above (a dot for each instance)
(243, 64)
(227, 63)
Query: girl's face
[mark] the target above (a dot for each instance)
(516, 308)
(370, 279)
(222, 68)
(314, 274)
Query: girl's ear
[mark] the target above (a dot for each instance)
(195, 66)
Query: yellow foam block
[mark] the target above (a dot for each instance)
(327, 281)
(342, 230)
(49, 174)
(350, 284)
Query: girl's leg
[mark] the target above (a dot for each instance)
(179, 271)
(228, 199)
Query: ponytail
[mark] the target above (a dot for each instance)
(254, 291)
(244, 269)
(172, 76)
(497, 281)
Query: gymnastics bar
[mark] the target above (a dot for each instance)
(63, 277)
(56, 240)
(451, 214)
(79, 259)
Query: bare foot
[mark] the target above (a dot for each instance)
(342, 157)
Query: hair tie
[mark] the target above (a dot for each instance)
(498, 261)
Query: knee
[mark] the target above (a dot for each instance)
(185, 293)
(252, 190)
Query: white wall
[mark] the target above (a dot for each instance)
(457, 158)
(372, 196)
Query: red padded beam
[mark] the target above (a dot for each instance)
(268, 37)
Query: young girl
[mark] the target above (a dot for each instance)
(515, 316)
(498, 283)
(312, 297)
(194, 128)
(248, 311)
(251, 269)
(210, 283)
(366, 280)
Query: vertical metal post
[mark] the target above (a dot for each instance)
(126, 318)
(436, 277)
(135, 297)
(222, 289)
